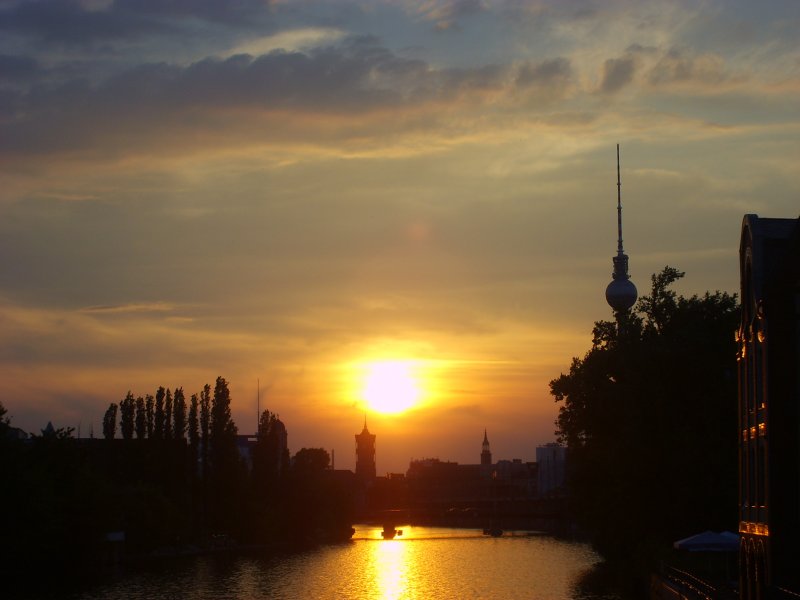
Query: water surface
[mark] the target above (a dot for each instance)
(425, 563)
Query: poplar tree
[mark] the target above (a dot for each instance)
(226, 469)
(223, 430)
(158, 432)
(205, 422)
(179, 414)
(127, 410)
(194, 430)
(168, 415)
(141, 419)
(110, 422)
(150, 414)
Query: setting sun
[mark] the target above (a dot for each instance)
(390, 387)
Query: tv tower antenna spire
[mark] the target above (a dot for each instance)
(621, 293)
(619, 208)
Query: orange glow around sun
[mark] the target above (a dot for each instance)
(390, 386)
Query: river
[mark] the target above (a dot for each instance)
(424, 562)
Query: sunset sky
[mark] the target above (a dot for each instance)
(289, 191)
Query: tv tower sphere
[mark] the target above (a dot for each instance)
(621, 294)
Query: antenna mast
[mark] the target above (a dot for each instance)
(258, 407)
(619, 208)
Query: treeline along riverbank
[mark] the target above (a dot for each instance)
(173, 483)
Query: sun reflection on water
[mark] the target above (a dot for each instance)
(390, 564)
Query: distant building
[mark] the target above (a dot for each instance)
(521, 476)
(246, 443)
(769, 408)
(365, 454)
(15, 433)
(434, 482)
(552, 459)
(282, 436)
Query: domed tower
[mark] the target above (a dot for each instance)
(365, 454)
(621, 293)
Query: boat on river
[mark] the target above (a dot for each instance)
(389, 532)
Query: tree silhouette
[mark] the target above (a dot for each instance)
(110, 422)
(205, 428)
(226, 471)
(158, 432)
(5, 421)
(65, 494)
(311, 461)
(194, 429)
(168, 415)
(223, 430)
(141, 419)
(179, 414)
(318, 507)
(269, 456)
(127, 409)
(649, 417)
(150, 414)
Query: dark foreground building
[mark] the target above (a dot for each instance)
(769, 408)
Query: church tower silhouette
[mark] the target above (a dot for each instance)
(365, 454)
(486, 454)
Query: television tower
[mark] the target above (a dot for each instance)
(621, 293)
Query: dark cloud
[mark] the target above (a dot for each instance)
(447, 16)
(158, 99)
(680, 66)
(643, 50)
(70, 22)
(66, 21)
(548, 71)
(617, 73)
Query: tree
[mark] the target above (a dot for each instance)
(110, 422)
(127, 409)
(205, 426)
(141, 419)
(5, 423)
(311, 461)
(158, 432)
(223, 431)
(150, 415)
(226, 472)
(268, 455)
(179, 414)
(649, 418)
(318, 505)
(168, 415)
(193, 426)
